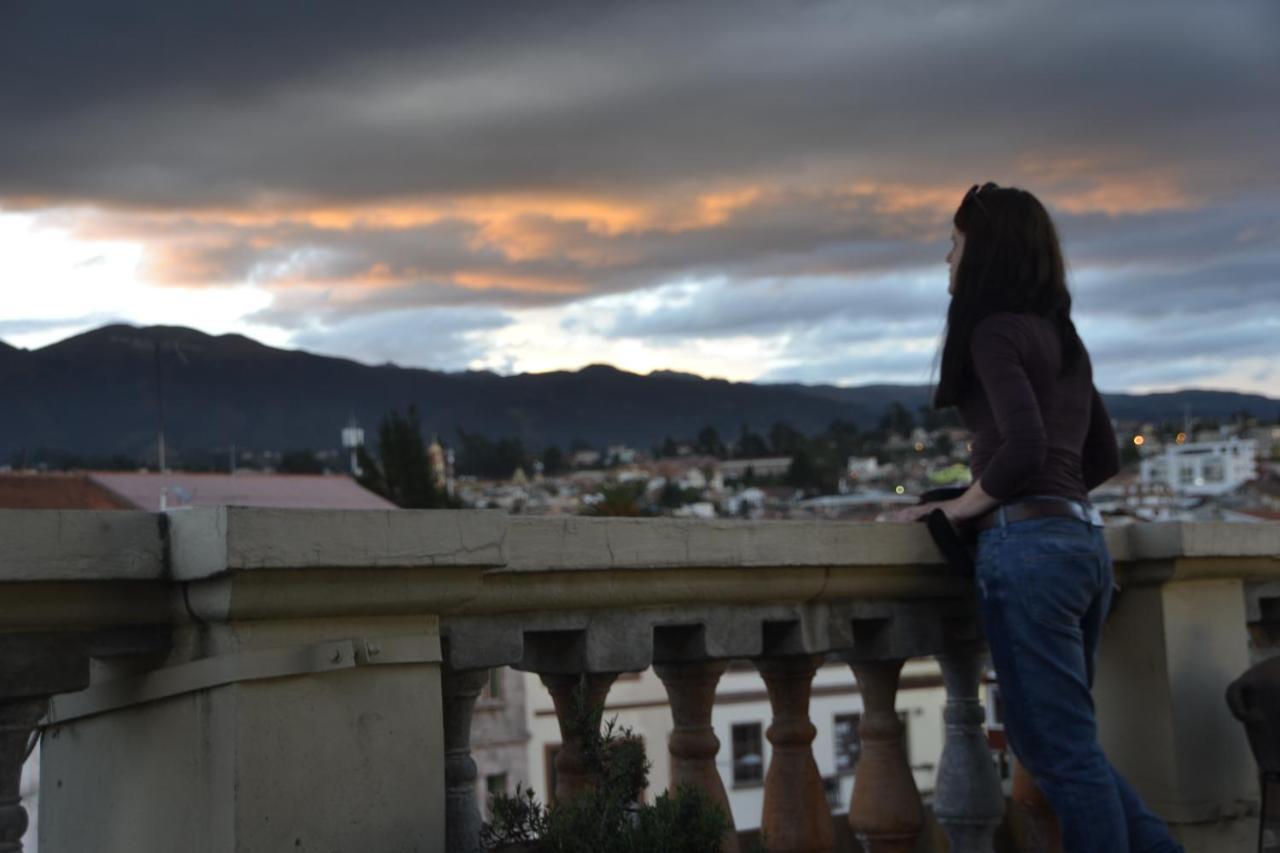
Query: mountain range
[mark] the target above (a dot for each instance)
(101, 393)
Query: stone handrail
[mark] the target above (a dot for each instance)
(260, 680)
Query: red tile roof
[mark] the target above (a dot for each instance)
(296, 491)
(56, 491)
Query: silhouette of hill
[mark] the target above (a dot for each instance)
(97, 393)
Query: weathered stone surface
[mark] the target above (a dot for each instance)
(71, 545)
(39, 665)
(209, 541)
(571, 641)
(579, 543)
(1202, 539)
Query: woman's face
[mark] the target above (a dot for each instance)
(953, 257)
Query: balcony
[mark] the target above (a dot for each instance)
(271, 680)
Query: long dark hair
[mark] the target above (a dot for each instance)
(1011, 262)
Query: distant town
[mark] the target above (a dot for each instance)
(1196, 469)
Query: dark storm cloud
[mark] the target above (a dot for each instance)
(863, 309)
(157, 103)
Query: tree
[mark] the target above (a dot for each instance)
(402, 473)
(621, 499)
(897, 420)
(709, 443)
(750, 445)
(784, 439)
(494, 460)
(553, 461)
(801, 473)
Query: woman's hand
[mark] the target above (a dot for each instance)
(917, 512)
(973, 503)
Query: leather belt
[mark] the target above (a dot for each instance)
(1038, 508)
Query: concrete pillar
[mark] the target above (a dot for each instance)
(301, 734)
(1041, 832)
(572, 774)
(462, 813)
(691, 688)
(885, 812)
(795, 817)
(968, 802)
(1178, 644)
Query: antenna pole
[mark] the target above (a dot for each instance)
(159, 412)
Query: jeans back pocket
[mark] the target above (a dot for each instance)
(1057, 580)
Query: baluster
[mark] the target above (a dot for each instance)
(1041, 831)
(572, 776)
(17, 722)
(796, 818)
(33, 667)
(969, 802)
(462, 813)
(885, 812)
(691, 689)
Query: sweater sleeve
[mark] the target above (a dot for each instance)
(997, 351)
(1099, 458)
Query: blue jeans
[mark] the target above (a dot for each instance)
(1044, 588)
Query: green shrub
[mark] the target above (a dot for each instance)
(609, 817)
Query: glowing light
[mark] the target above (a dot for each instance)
(1138, 441)
(902, 490)
(1181, 438)
(919, 446)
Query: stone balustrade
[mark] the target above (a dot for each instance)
(265, 680)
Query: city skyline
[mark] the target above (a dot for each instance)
(751, 191)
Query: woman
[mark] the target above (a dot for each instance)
(1014, 365)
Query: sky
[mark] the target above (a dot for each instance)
(758, 190)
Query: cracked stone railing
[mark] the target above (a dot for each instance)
(268, 680)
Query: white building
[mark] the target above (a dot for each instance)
(761, 467)
(863, 468)
(1203, 468)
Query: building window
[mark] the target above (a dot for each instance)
(494, 785)
(848, 743)
(748, 754)
(493, 689)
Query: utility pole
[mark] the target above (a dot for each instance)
(160, 460)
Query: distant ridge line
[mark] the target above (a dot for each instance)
(95, 393)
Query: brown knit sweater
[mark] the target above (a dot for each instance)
(1035, 432)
